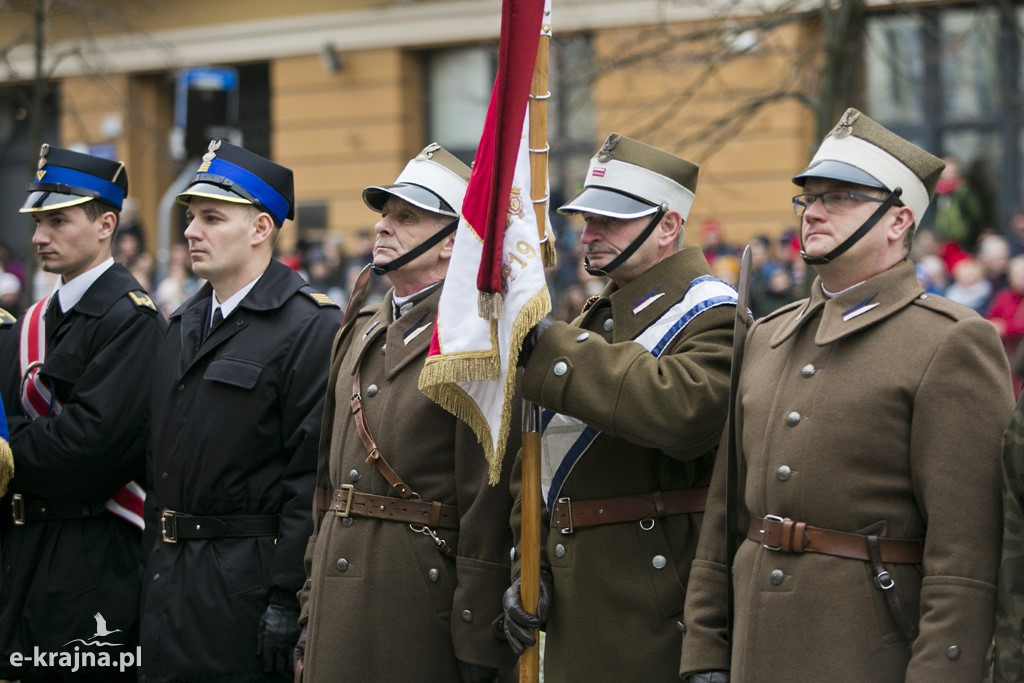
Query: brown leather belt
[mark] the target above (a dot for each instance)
(346, 502)
(569, 515)
(787, 536)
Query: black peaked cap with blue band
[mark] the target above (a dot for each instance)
(65, 178)
(232, 174)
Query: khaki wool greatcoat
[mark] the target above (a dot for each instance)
(879, 411)
(382, 604)
(618, 590)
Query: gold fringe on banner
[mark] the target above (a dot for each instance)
(6, 466)
(441, 374)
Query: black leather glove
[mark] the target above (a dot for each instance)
(709, 677)
(531, 339)
(518, 623)
(475, 673)
(278, 632)
(299, 652)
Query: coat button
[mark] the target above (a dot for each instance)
(793, 419)
(784, 473)
(383, 349)
(342, 564)
(583, 337)
(433, 575)
(560, 368)
(347, 521)
(512, 554)
(467, 616)
(372, 390)
(681, 626)
(952, 652)
(609, 325)
(659, 562)
(808, 370)
(559, 550)
(163, 475)
(156, 577)
(181, 387)
(353, 476)
(777, 576)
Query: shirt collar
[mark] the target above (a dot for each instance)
(71, 292)
(226, 307)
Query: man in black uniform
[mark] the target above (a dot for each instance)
(237, 402)
(72, 372)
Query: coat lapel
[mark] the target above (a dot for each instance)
(408, 338)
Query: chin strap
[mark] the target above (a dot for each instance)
(417, 251)
(889, 202)
(628, 251)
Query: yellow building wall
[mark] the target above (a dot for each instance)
(693, 99)
(341, 132)
(144, 106)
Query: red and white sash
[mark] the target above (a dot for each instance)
(39, 399)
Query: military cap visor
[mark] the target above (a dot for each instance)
(607, 202)
(838, 170)
(376, 196)
(241, 177)
(58, 187)
(45, 200)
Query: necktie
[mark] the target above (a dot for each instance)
(218, 318)
(53, 315)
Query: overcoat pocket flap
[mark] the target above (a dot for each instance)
(234, 371)
(64, 367)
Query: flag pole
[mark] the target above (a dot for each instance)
(529, 663)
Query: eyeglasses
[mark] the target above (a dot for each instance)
(836, 202)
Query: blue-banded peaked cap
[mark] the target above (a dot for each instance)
(64, 178)
(233, 174)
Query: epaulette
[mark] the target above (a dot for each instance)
(6, 318)
(142, 300)
(943, 306)
(782, 311)
(319, 298)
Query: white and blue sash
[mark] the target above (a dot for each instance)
(565, 439)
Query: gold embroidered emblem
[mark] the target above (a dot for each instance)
(321, 299)
(142, 300)
(515, 206)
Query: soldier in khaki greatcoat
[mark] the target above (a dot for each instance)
(869, 424)
(1009, 630)
(635, 393)
(410, 549)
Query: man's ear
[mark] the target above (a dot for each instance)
(108, 223)
(671, 225)
(263, 229)
(902, 222)
(447, 244)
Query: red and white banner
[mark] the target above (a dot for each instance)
(495, 290)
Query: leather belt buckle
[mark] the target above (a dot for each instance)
(168, 526)
(764, 524)
(347, 509)
(18, 509)
(565, 500)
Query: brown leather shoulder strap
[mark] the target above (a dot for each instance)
(373, 454)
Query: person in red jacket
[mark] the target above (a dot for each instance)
(1007, 314)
